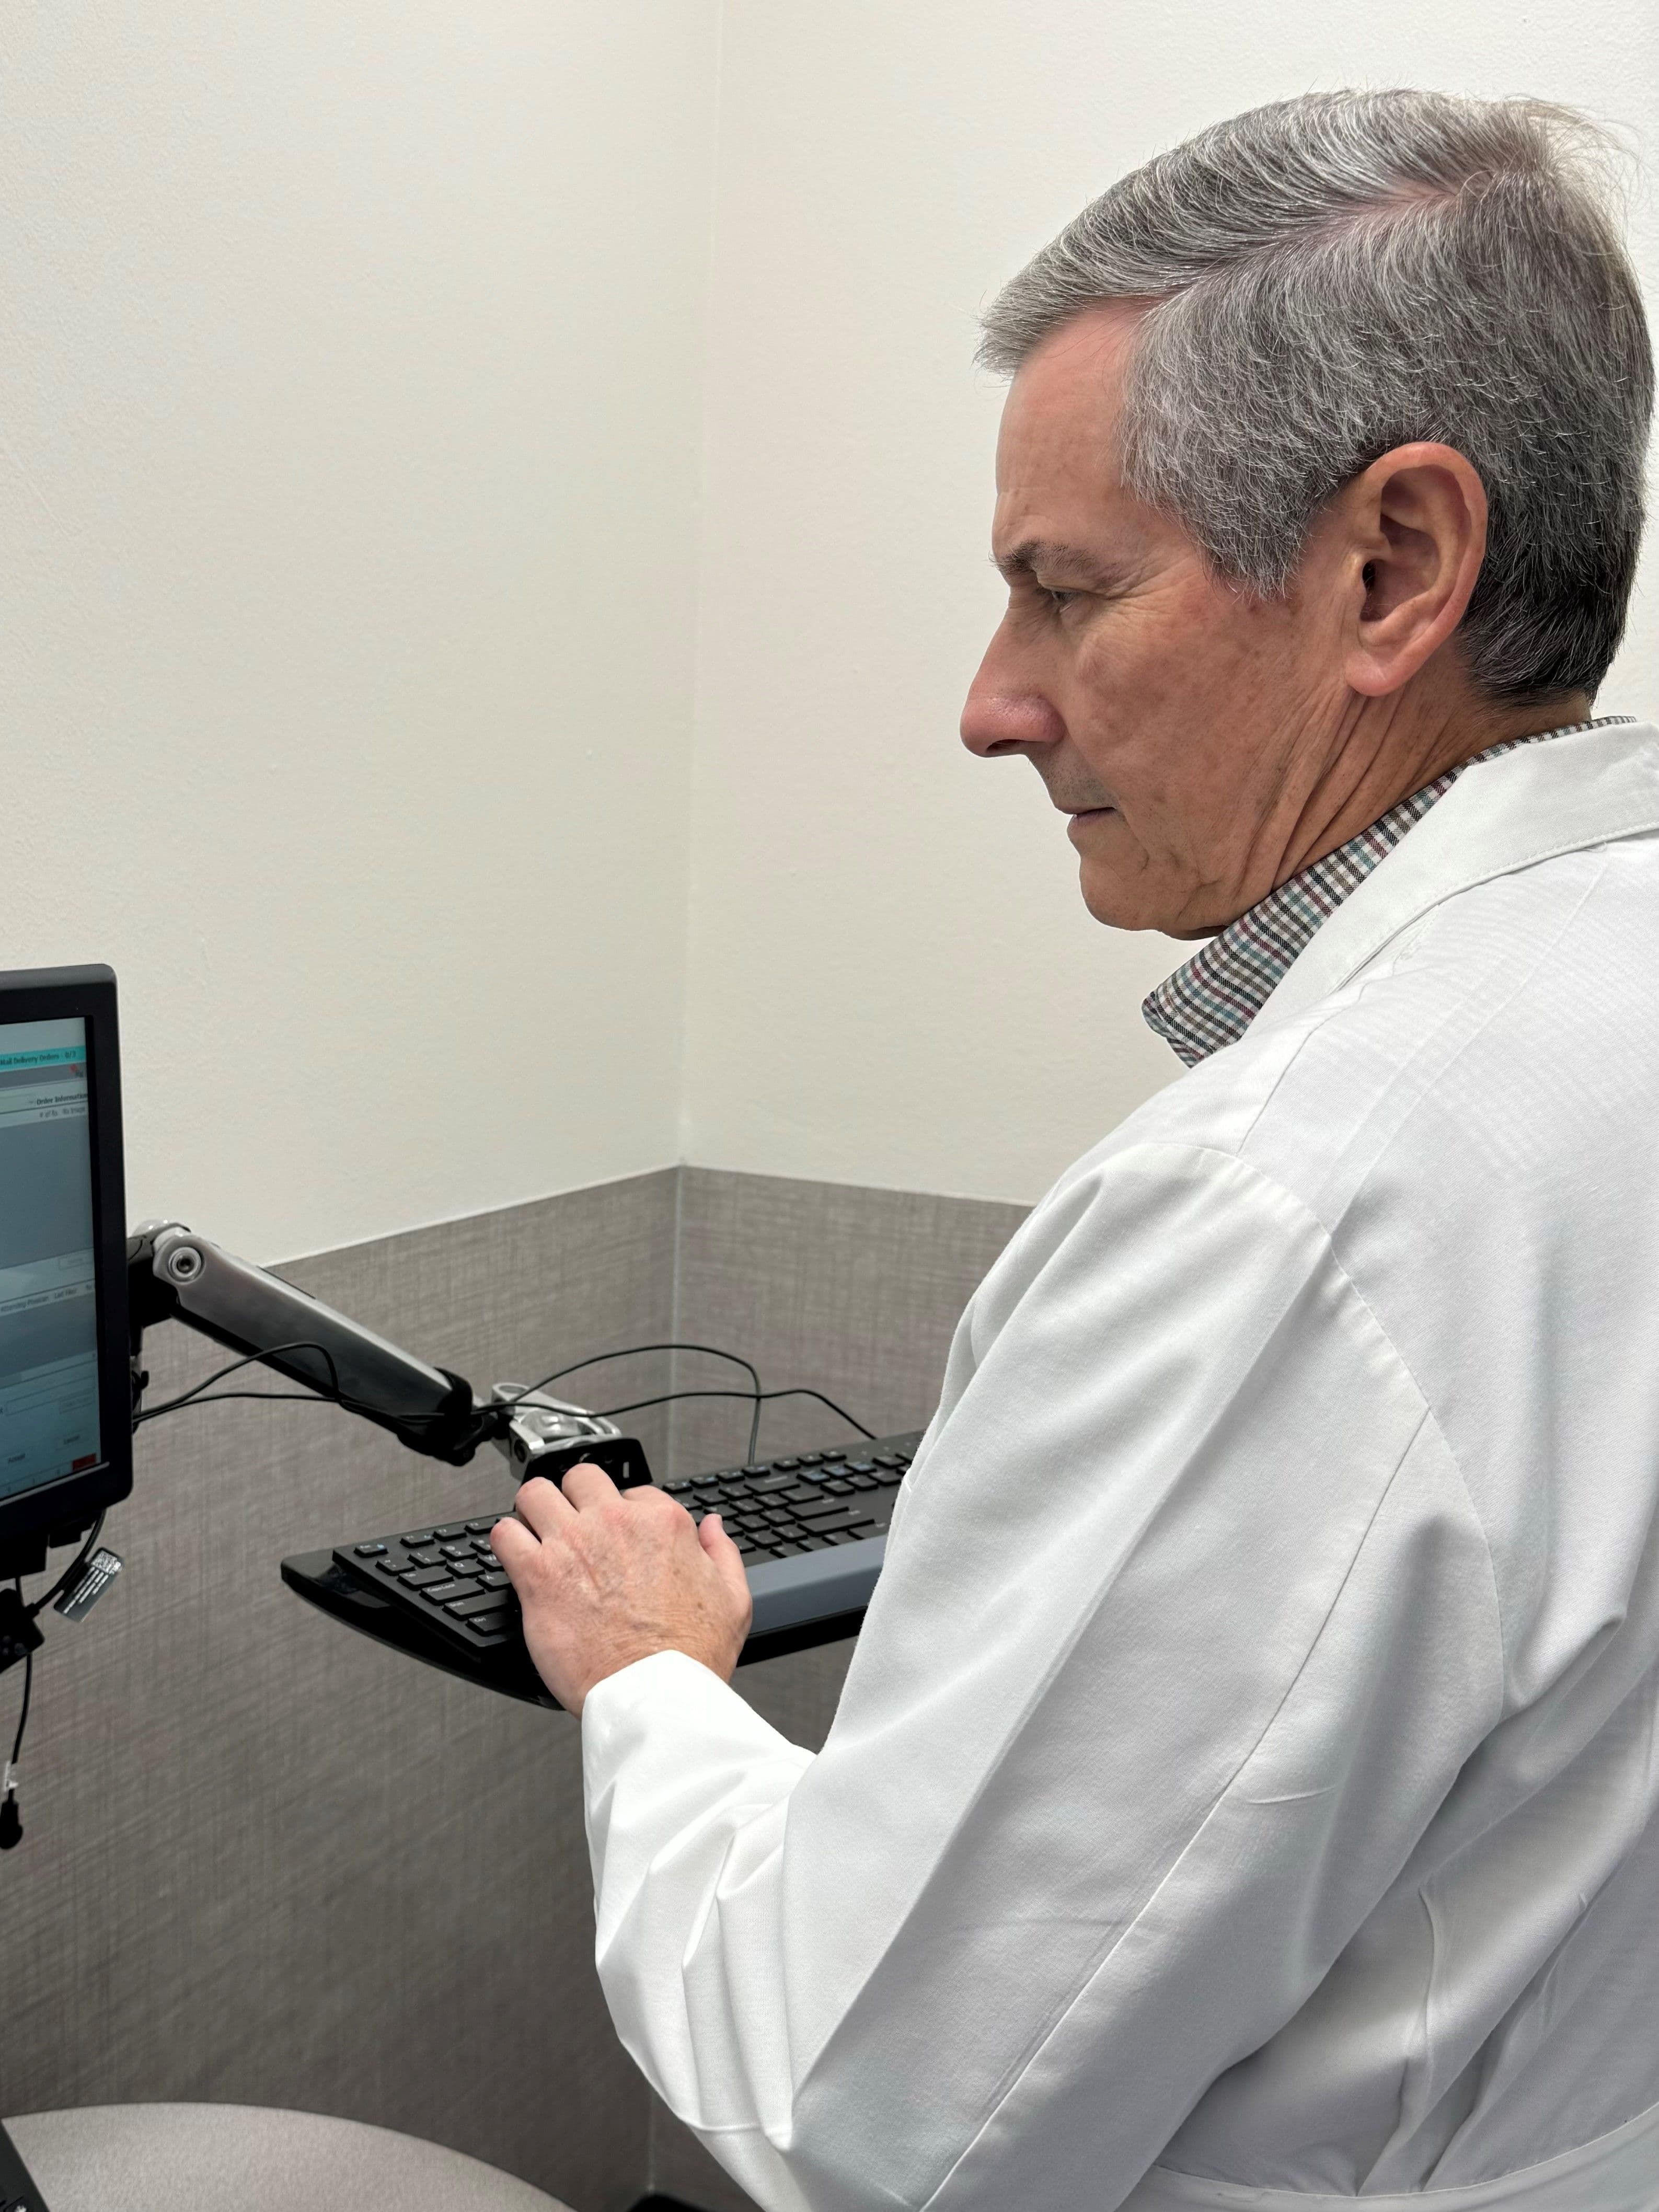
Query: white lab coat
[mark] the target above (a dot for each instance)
(1248, 1767)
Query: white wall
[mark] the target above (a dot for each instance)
(349, 377)
(891, 978)
(360, 367)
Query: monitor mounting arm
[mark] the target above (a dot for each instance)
(172, 1274)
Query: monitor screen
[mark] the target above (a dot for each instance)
(49, 1388)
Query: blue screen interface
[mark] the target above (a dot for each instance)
(48, 1310)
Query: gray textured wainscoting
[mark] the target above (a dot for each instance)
(265, 1860)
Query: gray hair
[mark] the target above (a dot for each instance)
(1334, 275)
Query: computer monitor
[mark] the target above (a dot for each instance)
(65, 1402)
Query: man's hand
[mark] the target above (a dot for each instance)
(606, 1576)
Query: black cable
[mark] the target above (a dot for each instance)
(11, 1820)
(70, 1573)
(23, 1716)
(334, 1396)
(195, 1395)
(259, 1397)
(609, 1413)
(668, 1397)
(633, 1351)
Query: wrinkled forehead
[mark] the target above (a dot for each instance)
(1059, 450)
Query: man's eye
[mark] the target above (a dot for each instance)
(1056, 601)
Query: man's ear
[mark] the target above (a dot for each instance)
(1413, 533)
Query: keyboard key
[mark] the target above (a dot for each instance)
(371, 1551)
(430, 1557)
(760, 1467)
(785, 1466)
(679, 1485)
(458, 1551)
(497, 1625)
(842, 1488)
(864, 1482)
(788, 1551)
(416, 1538)
(482, 1527)
(847, 1516)
(455, 1529)
(441, 1592)
(761, 1485)
(427, 1578)
(860, 1467)
(496, 1579)
(811, 1459)
(466, 1608)
(887, 1459)
(394, 1566)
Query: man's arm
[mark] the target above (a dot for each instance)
(1187, 1630)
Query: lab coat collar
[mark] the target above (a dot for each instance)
(1591, 788)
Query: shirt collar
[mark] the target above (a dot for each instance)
(1212, 998)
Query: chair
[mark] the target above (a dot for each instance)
(242, 2158)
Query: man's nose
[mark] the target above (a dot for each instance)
(998, 720)
(1004, 715)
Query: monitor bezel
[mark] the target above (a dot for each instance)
(71, 1502)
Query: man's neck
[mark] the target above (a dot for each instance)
(1389, 755)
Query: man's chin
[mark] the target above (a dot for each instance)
(1136, 904)
(1118, 904)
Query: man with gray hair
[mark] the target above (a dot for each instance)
(1245, 1792)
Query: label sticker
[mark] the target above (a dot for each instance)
(100, 1572)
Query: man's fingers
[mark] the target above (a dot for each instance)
(542, 1504)
(512, 1543)
(587, 1485)
(727, 1560)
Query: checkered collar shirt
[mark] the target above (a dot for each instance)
(1212, 998)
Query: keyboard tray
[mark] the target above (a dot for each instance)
(812, 1527)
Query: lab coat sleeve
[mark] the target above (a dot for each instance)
(1184, 1633)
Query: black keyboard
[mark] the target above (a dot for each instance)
(446, 1576)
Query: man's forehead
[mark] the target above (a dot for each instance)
(1058, 470)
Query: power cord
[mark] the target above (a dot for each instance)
(332, 1396)
(766, 1397)
(11, 1820)
(203, 1394)
(713, 1351)
(70, 1576)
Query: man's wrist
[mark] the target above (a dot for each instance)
(631, 1650)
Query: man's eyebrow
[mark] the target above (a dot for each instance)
(1052, 559)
